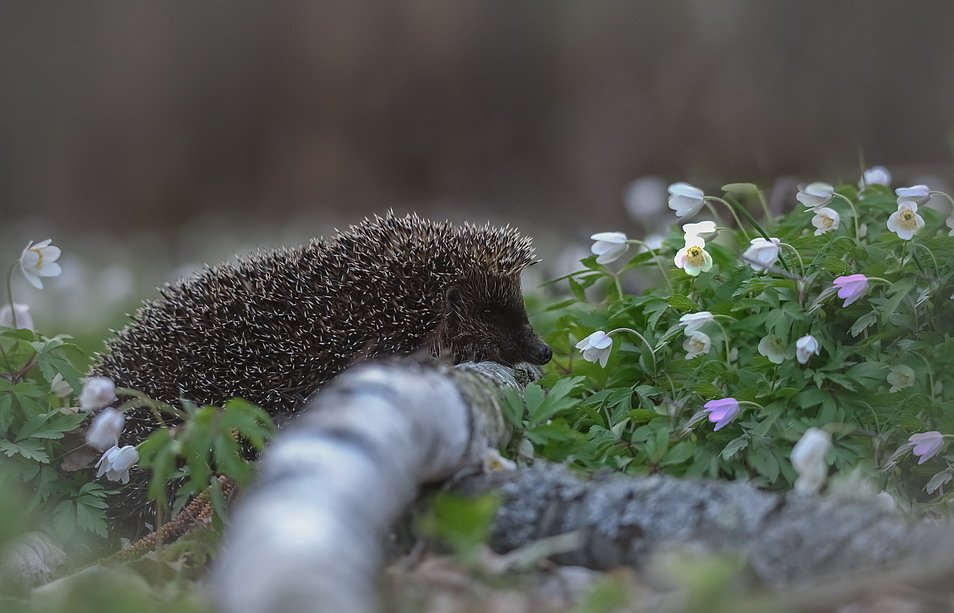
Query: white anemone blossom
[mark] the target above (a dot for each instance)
(685, 199)
(97, 393)
(696, 344)
(814, 195)
(39, 260)
(596, 347)
(104, 432)
(116, 462)
(900, 377)
(59, 386)
(762, 253)
(876, 175)
(916, 193)
(22, 311)
(695, 321)
(808, 459)
(905, 222)
(805, 348)
(492, 461)
(698, 229)
(608, 246)
(693, 257)
(825, 220)
(773, 348)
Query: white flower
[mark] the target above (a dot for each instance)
(609, 246)
(876, 175)
(901, 377)
(645, 197)
(805, 348)
(39, 260)
(950, 224)
(916, 193)
(653, 241)
(825, 219)
(596, 347)
(685, 199)
(698, 229)
(815, 194)
(808, 459)
(116, 462)
(695, 321)
(104, 432)
(59, 386)
(97, 393)
(492, 461)
(24, 321)
(905, 222)
(761, 253)
(693, 257)
(696, 344)
(773, 348)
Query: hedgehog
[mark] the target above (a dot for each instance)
(274, 327)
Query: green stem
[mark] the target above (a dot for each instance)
(712, 210)
(13, 311)
(801, 264)
(937, 269)
(731, 210)
(943, 195)
(725, 336)
(642, 338)
(930, 374)
(768, 214)
(154, 405)
(619, 288)
(758, 228)
(652, 252)
(854, 215)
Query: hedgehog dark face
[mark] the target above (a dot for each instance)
(486, 320)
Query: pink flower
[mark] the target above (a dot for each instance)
(926, 444)
(722, 411)
(851, 288)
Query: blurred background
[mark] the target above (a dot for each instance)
(147, 138)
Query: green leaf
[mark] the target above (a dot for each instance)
(463, 523)
(734, 447)
(29, 449)
(677, 454)
(764, 463)
(863, 323)
(682, 303)
(52, 425)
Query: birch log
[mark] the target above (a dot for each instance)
(624, 520)
(309, 536)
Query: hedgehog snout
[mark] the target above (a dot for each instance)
(539, 352)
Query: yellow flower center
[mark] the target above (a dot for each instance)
(696, 346)
(827, 222)
(907, 219)
(695, 256)
(39, 255)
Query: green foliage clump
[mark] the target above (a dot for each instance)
(43, 451)
(644, 411)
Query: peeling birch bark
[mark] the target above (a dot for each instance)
(624, 520)
(311, 532)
